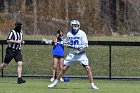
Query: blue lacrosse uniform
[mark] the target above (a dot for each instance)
(58, 49)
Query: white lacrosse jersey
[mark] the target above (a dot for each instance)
(77, 40)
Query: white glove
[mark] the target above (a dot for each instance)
(83, 46)
(76, 46)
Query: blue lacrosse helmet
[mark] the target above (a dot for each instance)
(75, 26)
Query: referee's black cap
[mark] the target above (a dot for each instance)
(18, 23)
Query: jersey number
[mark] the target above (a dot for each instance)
(74, 42)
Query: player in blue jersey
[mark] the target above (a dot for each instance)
(77, 53)
(58, 54)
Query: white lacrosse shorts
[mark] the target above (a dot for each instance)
(72, 58)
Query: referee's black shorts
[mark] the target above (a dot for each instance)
(11, 53)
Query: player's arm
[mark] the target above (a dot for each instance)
(54, 41)
(84, 42)
(14, 41)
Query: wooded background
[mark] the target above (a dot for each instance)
(97, 17)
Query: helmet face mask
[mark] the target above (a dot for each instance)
(75, 26)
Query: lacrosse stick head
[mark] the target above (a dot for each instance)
(46, 41)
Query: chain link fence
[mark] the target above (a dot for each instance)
(107, 60)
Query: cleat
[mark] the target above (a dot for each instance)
(52, 79)
(93, 86)
(53, 84)
(20, 80)
(61, 79)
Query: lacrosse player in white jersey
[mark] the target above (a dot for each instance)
(78, 44)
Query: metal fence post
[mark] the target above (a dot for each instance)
(2, 61)
(110, 62)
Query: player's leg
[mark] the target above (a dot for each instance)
(8, 57)
(63, 70)
(61, 63)
(84, 61)
(55, 62)
(19, 61)
(2, 65)
(61, 66)
(19, 70)
(67, 63)
(89, 73)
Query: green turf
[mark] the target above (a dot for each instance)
(9, 85)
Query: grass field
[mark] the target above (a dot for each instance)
(9, 85)
(38, 58)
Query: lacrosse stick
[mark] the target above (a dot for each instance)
(64, 42)
(50, 42)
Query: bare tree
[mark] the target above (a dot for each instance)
(23, 6)
(6, 7)
(67, 13)
(35, 17)
(101, 17)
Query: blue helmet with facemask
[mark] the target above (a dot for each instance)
(75, 26)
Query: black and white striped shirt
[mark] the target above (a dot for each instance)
(13, 35)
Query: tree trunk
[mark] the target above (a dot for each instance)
(35, 17)
(23, 6)
(66, 17)
(112, 10)
(6, 7)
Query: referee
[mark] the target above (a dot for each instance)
(15, 40)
